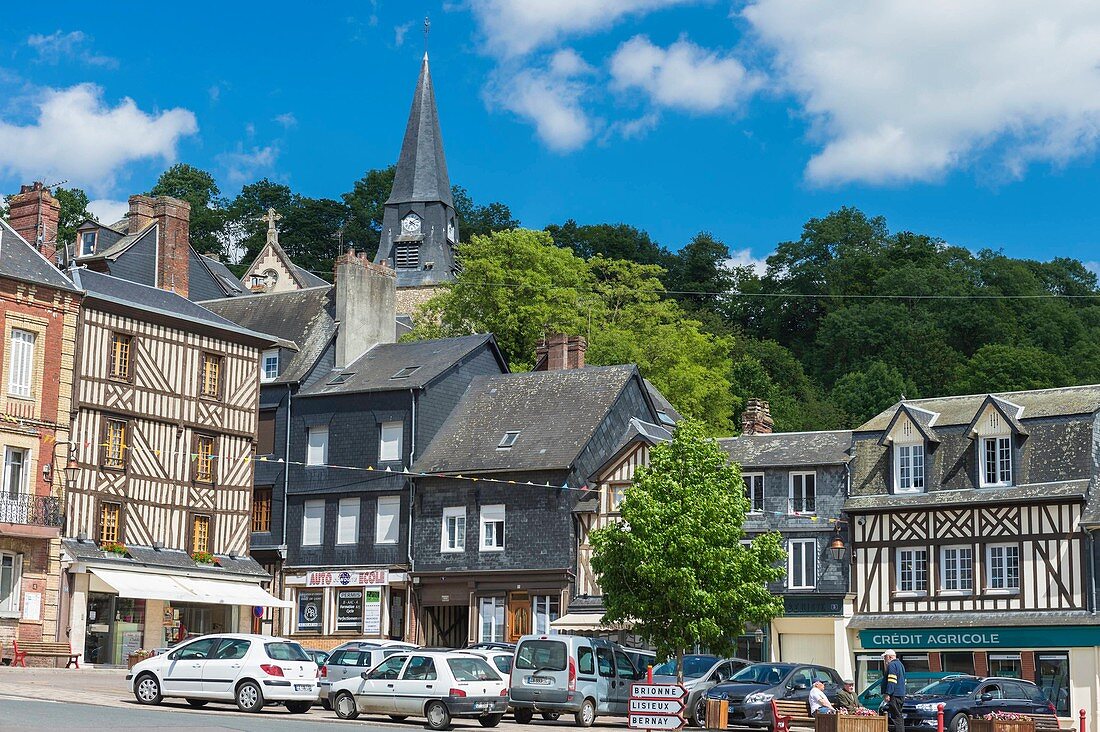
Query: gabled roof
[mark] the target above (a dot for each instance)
(922, 418)
(221, 274)
(668, 414)
(1036, 403)
(121, 245)
(638, 432)
(421, 169)
(305, 318)
(554, 412)
(20, 261)
(302, 277)
(789, 449)
(1008, 411)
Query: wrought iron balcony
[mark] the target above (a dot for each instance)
(32, 510)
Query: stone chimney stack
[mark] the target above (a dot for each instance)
(173, 218)
(757, 418)
(366, 306)
(34, 213)
(558, 352)
(141, 213)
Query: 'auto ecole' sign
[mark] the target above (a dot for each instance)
(348, 578)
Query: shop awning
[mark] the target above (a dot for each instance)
(583, 621)
(145, 585)
(230, 592)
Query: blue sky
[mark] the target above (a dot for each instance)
(978, 124)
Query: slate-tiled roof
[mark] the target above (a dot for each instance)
(120, 246)
(970, 496)
(555, 412)
(20, 261)
(306, 318)
(421, 173)
(781, 449)
(153, 300)
(226, 279)
(147, 556)
(960, 410)
(663, 405)
(375, 369)
(638, 430)
(306, 278)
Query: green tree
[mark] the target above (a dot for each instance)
(74, 211)
(197, 187)
(366, 202)
(1010, 368)
(700, 273)
(312, 232)
(475, 220)
(245, 221)
(615, 241)
(675, 566)
(863, 394)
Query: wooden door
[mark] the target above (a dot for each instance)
(519, 615)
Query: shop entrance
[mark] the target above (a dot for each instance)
(116, 628)
(445, 626)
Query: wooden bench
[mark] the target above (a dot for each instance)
(791, 713)
(1046, 722)
(46, 649)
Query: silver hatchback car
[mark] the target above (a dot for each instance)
(351, 659)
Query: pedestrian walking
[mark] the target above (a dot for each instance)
(894, 690)
(846, 697)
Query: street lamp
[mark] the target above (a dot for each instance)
(72, 470)
(836, 546)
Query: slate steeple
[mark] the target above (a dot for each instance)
(418, 226)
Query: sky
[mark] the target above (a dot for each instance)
(976, 122)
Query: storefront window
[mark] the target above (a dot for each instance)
(311, 604)
(492, 619)
(349, 609)
(1052, 670)
(959, 662)
(1005, 664)
(913, 661)
(868, 670)
(116, 628)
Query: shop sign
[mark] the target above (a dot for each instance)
(310, 611)
(349, 609)
(348, 578)
(1009, 637)
(372, 612)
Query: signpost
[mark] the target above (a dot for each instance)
(656, 706)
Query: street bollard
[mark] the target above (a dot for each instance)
(649, 675)
(1083, 727)
(939, 718)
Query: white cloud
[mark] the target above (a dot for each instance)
(242, 166)
(683, 76)
(399, 32)
(79, 137)
(287, 120)
(550, 97)
(58, 45)
(905, 90)
(517, 27)
(633, 128)
(745, 258)
(108, 211)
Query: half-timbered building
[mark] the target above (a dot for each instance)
(969, 546)
(158, 518)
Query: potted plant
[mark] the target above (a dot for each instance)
(138, 656)
(1002, 722)
(203, 558)
(114, 547)
(851, 720)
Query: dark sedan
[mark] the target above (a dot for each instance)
(701, 673)
(971, 696)
(750, 691)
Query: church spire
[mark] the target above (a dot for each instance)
(421, 174)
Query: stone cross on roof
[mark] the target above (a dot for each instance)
(272, 233)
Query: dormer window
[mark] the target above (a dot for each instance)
(340, 378)
(909, 468)
(270, 365)
(87, 243)
(996, 461)
(508, 440)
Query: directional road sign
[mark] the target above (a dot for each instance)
(656, 721)
(657, 706)
(657, 691)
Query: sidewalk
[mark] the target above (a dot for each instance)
(105, 687)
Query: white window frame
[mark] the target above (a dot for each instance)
(750, 493)
(387, 524)
(9, 606)
(21, 363)
(317, 445)
(913, 576)
(266, 360)
(14, 491)
(616, 491)
(990, 563)
(910, 466)
(791, 492)
(542, 613)
(497, 620)
(457, 516)
(390, 437)
(347, 521)
(83, 240)
(809, 569)
(1003, 467)
(962, 578)
(493, 514)
(313, 511)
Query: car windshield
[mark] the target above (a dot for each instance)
(285, 652)
(761, 673)
(694, 666)
(471, 669)
(541, 655)
(949, 687)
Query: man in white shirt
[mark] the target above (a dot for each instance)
(819, 703)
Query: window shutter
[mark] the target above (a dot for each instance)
(387, 520)
(22, 363)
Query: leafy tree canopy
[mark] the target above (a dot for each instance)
(863, 394)
(1010, 368)
(74, 211)
(615, 241)
(199, 189)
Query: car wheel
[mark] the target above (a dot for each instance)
(439, 717)
(551, 716)
(586, 715)
(490, 720)
(298, 707)
(523, 716)
(699, 716)
(344, 706)
(398, 717)
(960, 723)
(197, 703)
(147, 689)
(249, 697)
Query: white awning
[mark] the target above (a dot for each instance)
(145, 585)
(584, 621)
(230, 592)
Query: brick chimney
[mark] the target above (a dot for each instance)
(757, 418)
(141, 213)
(366, 306)
(558, 352)
(173, 218)
(34, 213)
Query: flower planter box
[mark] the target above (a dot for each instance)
(977, 724)
(851, 723)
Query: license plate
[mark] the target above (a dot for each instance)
(483, 705)
(303, 687)
(538, 680)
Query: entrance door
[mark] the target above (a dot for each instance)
(99, 641)
(445, 626)
(519, 616)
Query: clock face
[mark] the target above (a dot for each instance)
(410, 224)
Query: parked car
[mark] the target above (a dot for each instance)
(701, 673)
(750, 691)
(641, 658)
(319, 657)
(966, 696)
(251, 670)
(502, 662)
(436, 685)
(348, 660)
(872, 698)
(491, 646)
(587, 677)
